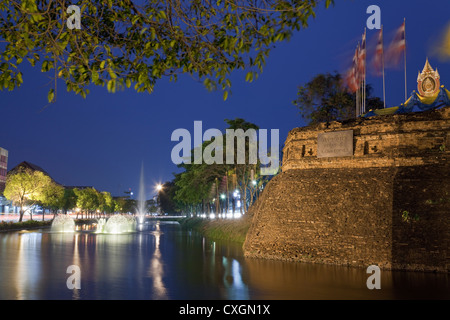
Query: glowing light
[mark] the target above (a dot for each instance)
(222, 196)
(159, 187)
(63, 223)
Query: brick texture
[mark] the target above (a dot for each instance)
(388, 204)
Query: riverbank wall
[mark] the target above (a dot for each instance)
(373, 191)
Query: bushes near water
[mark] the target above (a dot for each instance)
(29, 224)
(219, 229)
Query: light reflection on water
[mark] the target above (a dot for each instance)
(160, 261)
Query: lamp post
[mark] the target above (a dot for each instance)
(158, 188)
(224, 207)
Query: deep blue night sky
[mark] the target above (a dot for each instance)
(102, 140)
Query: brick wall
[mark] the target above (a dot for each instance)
(388, 204)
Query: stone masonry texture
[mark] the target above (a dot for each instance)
(388, 204)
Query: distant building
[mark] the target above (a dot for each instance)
(3, 172)
(3, 168)
(31, 166)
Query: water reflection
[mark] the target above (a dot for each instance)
(161, 261)
(76, 261)
(232, 279)
(28, 266)
(156, 271)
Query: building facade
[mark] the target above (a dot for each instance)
(3, 167)
(3, 173)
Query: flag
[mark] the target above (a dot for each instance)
(350, 81)
(396, 47)
(442, 48)
(362, 56)
(377, 62)
(352, 76)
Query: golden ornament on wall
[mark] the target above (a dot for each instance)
(428, 81)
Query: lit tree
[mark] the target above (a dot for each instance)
(106, 202)
(68, 200)
(26, 187)
(87, 199)
(198, 184)
(52, 196)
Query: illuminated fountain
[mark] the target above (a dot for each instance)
(120, 223)
(141, 208)
(63, 223)
(116, 224)
(101, 225)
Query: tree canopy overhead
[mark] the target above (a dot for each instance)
(135, 43)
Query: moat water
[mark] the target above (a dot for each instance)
(162, 261)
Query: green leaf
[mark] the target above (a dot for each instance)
(112, 74)
(19, 77)
(153, 32)
(51, 95)
(162, 14)
(225, 95)
(94, 76)
(328, 3)
(249, 76)
(44, 67)
(111, 86)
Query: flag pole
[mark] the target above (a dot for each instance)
(406, 94)
(358, 99)
(361, 84)
(357, 102)
(382, 61)
(364, 71)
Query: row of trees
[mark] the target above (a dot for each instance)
(216, 187)
(212, 187)
(200, 187)
(26, 187)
